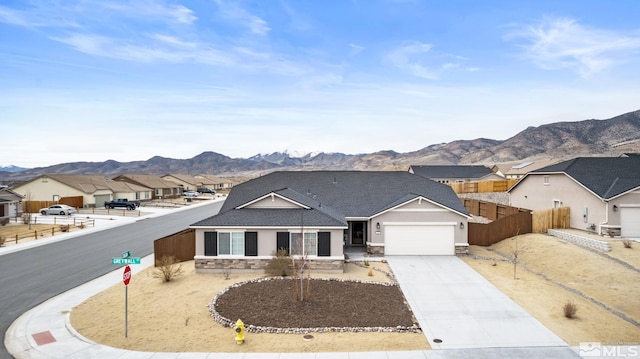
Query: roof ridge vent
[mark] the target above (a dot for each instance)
(335, 180)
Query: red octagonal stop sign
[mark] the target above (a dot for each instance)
(126, 276)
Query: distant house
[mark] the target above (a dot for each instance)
(455, 174)
(192, 183)
(10, 204)
(518, 170)
(602, 192)
(161, 187)
(384, 212)
(93, 189)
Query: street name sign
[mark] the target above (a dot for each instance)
(130, 260)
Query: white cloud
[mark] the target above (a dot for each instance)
(418, 59)
(559, 43)
(230, 10)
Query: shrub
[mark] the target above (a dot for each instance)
(167, 269)
(26, 218)
(280, 264)
(569, 309)
(627, 243)
(2, 240)
(65, 228)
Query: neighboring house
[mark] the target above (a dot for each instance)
(602, 192)
(455, 174)
(391, 213)
(10, 204)
(192, 183)
(518, 170)
(161, 188)
(94, 189)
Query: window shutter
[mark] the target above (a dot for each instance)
(251, 243)
(210, 243)
(283, 241)
(324, 244)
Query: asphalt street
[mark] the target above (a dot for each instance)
(32, 276)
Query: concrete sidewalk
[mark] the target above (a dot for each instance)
(458, 308)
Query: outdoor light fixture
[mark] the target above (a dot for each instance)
(461, 225)
(377, 225)
(615, 208)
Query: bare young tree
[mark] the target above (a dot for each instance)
(300, 246)
(515, 254)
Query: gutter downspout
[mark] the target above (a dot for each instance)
(606, 216)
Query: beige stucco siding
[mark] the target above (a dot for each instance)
(273, 202)
(419, 211)
(43, 189)
(561, 190)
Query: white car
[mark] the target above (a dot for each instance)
(191, 194)
(61, 209)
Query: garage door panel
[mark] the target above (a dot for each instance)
(419, 240)
(630, 222)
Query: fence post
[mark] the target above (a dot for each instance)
(16, 238)
(36, 234)
(53, 231)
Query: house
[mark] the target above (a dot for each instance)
(161, 187)
(602, 192)
(192, 183)
(454, 174)
(519, 169)
(94, 189)
(391, 213)
(10, 205)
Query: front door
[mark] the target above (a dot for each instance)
(358, 233)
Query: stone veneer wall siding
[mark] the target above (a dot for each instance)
(215, 265)
(379, 250)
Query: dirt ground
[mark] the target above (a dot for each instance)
(591, 281)
(174, 317)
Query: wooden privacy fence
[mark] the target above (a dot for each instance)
(487, 234)
(489, 210)
(482, 186)
(557, 218)
(181, 246)
(34, 206)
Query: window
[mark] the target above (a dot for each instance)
(309, 243)
(231, 243)
(546, 180)
(158, 191)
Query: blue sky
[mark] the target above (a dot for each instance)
(126, 80)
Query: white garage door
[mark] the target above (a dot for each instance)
(419, 240)
(630, 222)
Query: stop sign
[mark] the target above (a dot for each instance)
(126, 276)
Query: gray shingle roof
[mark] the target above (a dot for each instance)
(336, 194)
(451, 171)
(607, 177)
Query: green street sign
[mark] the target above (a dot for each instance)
(131, 260)
(126, 254)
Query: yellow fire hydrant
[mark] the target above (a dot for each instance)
(239, 329)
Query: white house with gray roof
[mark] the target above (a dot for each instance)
(602, 192)
(391, 213)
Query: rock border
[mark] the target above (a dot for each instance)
(226, 322)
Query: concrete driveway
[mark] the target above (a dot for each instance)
(455, 304)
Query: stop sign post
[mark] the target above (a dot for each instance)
(126, 278)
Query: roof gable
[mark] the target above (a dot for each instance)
(451, 171)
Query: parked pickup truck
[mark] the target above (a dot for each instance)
(121, 203)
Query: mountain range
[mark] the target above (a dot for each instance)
(560, 140)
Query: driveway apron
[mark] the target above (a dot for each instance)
(457, 306)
